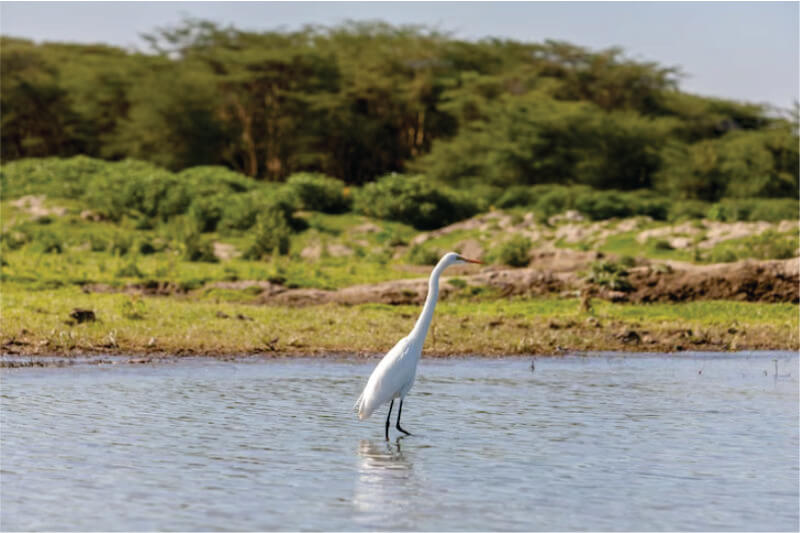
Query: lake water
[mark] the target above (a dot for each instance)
(604, 442)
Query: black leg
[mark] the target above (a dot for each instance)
(390, 416)
(400, 412)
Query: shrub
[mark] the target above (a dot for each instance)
(13, 240)
(53, 176)
(271, 234)
(754, 209)
(239, 212)
(129, 270)
(206, 212)
(609, 274)
(198, 249)
(516, 196)
(775, 210)
(97, 243)
(137, 189)
(414, 200)
(767, 245)
(209, 180)
(686, 209)
(601, 205)
(423, 255)
(120, 243)
(145, 247)
(47, 242)
(317, 192)
(514, 252)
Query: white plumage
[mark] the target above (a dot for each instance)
(391, 379)
(394, 376)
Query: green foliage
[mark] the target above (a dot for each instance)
(206, 212)
(767, 245)
(215, 180)
(344, 102)
(317, 192)
(687, 209)
(548, 200)
(47, 242)
(121, 243)
(415, 200)
(423, 255)
(130, 269)
(197, 248)
(514, 252)
(271, 235)
(609, 274)
(735, 210)
(740, 164)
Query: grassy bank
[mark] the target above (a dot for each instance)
(39, 322)
(84, 233)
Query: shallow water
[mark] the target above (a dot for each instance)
(607, 442)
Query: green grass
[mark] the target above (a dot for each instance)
(767, 245)
(207, 323)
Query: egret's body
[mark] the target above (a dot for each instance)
(394, 376)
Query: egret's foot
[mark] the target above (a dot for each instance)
(402, 430)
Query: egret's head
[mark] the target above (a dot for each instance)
(453, 258)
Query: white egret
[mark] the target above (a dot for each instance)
(394, 375)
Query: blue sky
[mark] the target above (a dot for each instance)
(740, 50)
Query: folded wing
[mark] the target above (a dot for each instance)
(393, 373)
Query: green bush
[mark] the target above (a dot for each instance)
(206, 212)
(609, 274)
(137, 189)
(271, 234)
(14, 239)
(517, 196)
(775, 210)
(767, 245)
(414, 200)
(129, 270)
(602, 205)
(198, 249)
(52, 176)
(317, 192)
(121, 243)
(215, 180)
(423, 255)
(47, 242)
(97, 243)
(239, 212)
(549, 200)
(514, 252)
(686, 209)
(755, 209)
(145, 247)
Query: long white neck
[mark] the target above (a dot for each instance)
(424, 321)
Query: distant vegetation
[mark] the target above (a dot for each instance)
(467, 124)
(315, 158)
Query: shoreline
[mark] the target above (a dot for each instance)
(64, 360)
(69, 323)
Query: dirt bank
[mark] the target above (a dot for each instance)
(562, 273)
(554, 272)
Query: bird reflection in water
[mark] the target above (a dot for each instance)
(385, 486)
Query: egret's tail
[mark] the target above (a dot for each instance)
(357, 406)
(361, 409)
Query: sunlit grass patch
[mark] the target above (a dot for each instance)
(219, 321)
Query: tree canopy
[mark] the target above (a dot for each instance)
(362, 100)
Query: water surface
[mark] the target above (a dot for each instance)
(607, 442)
